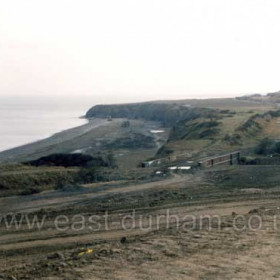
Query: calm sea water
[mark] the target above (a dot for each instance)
(25, 120)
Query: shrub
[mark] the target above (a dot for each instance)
(248, 161)
(89, 175)
(68, 187)
(68, 160)
(233, 139)
(268, 146)
(30, 191)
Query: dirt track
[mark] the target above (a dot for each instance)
(158, 252)
(58, 199)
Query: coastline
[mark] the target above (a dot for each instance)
(55, 143)
(35, 127)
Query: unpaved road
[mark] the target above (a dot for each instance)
(166, 250)
(167, 253)
(50, 236)
(58, 199)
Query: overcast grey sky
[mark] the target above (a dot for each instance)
(128, 50)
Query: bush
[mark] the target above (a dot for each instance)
(30, 191)
(233, 139)
(89, 175)
(68, 160)
(268, 146)
(68, 187)
(248, 161)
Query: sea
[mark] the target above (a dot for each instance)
(25, 120)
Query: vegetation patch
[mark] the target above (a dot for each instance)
(234, 139)
(133, 141)
(68, 160)
(267, 147)
(35, 180)
(202, 129)
(69, 187)
(253, 126)
(245, 176)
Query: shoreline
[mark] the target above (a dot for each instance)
(32, 136)
(45, 145)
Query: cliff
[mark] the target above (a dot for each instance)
(167, 114)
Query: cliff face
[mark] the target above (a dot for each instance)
(167, 114)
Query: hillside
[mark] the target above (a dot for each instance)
(200, 128)
(197, 127)
(68, 176)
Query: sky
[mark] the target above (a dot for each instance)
(128, 50)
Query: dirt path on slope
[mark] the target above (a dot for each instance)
(63, 199)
